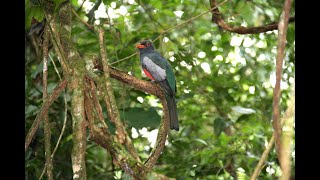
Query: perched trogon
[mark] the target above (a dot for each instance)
(158, 69)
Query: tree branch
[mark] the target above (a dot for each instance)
(47, 130)
(217, 18)
(136, 83)
(149, 13)
(283, 26)
(112, 108)
(288, 116)
(155, 90)
(174, 27)
(76, 88)
(101, 136)
(263, 158)
(89, 26)
(64, 121)
(161, 137)
(47, 9)
(92, 10)
(44, 109)
(286, 140)
(96, 103)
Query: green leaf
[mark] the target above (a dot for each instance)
(219, 125)
(139, 118)
(31, 109)
(201, 141)
(246, 12)
(38, 13)
(57, 2)
(243, 110)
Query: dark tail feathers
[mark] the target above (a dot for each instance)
(172, 106)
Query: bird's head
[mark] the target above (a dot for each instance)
(145, 45)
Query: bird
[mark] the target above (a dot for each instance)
(159, 70)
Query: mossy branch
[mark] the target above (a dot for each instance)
(47, 130)
(44, 110)
(110, 101)
(76, 87)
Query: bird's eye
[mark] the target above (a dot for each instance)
(148, 44)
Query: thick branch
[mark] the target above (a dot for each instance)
(155, 90)
(288, 116)
(111, 102)
(101, 136)
(76, 88)
(287, 139)
(47, 130)
(112, 108)
(283, 26)
(44, 109)
(162, 135)
(136, 83)
(92, 90)
(218, 19)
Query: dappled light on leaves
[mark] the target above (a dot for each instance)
(224, 85)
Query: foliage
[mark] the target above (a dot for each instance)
(217, 73)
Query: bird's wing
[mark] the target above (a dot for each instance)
(157, 68)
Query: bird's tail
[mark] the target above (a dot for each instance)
(172, 106)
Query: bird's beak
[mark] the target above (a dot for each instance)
(140, 46)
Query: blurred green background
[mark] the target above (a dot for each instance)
(224, 87)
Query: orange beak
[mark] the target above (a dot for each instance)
(140, 46)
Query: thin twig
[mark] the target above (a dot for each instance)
(81, 5)
(174, 27)
(65, 117)
(287, 116)
(44, 109)
(55, 38)
(96, 103)
(47, 129)
(152, 19)
(35, 45)
(55, 67)
(91, 27)
(217, 18)
(64, 121)
(124, 58)
(263, 158)
(283, 26)
(189, 20)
